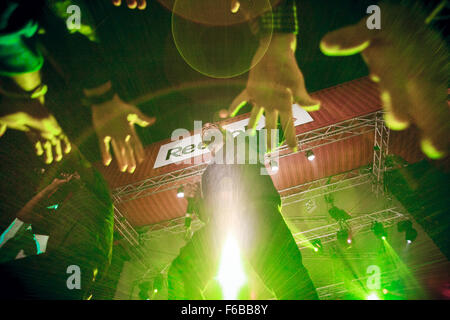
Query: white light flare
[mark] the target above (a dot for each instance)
(231, 275)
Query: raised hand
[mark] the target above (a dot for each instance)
(273, 86)
(32, 117)
(410, 63)
(114, 123)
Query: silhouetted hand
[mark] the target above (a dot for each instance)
(410, 63)
(274, 84)
(114, 123)
(32, 117)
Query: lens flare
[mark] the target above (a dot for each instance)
(231, 274)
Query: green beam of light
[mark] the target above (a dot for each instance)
(231, 275)
(402, 269)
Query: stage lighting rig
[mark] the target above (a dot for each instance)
(410, 232)
(317, 245)
(344, 238)
(378, 230)
(310, 155)
(180, 192)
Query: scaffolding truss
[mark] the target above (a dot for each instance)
(333, 133)
(324, 186)
(358, 225)
(381, 147)
(306, 141)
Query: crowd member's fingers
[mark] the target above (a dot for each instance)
(67, 144)
(119, 151)
(235, 5)
(238, 103)
(346, 41)
(129, 154)
(255, 115)
(271, 124)
(142, 4)
(48, 153)
(287, 123)
(2, 129)
(302, 97)
(395, 118)
(140, 119)
(58, 150)
(105, 149)
(434, 126)
(136, 145)
(132, 4)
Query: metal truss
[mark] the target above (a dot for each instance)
(333, 133)
(358, 225)
(339, 290)
(174, 226)
(307, 141)
(381, 147)
(324, 186)
(163, 182)
(295, 194)
(124, 228)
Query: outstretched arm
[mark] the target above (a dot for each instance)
(276, 82)
(409, 61)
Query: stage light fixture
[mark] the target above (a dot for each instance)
(410, 235)
(180, 192)
(344, 238)
(317, 245)
(310, 155)
(338, 214)
(158, 283)
(407, 227)
(274, 165)
(378, 230)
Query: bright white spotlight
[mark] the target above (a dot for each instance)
(373, 296)
(180, 192)
(231, 274)
(274, 165)
(310, 155)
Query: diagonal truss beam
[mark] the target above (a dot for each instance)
(308, 140)
(324, 186)
(360, 224)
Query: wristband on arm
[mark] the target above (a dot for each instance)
(282, 19)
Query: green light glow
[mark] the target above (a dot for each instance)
(430, 150)
(336, 50)
(231, 274)
(402, 270)
(373, 296)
